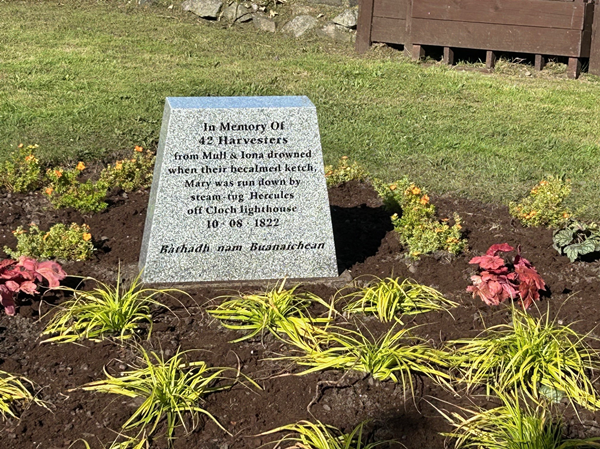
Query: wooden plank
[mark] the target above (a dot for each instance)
(574, 68)
(390, 31)
(448, 56)
(534, 13)
(485, 36)
(418, 52)
(490, 59)
(594, 68)
(364, 26)
(392, 9)
(540, 62)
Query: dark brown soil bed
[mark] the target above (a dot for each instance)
(366, 245)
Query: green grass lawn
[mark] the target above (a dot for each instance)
(88, 81)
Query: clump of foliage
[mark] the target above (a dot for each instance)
(267, 312)
(104, 311)
(414, 219)
(388, 298)
(25, 275)
(126, 443)
(171, 389)
(65, 190)
(576, 239)
(534, 355)
(13, 389)
(21, 172)
(308, 435)
(396, 356)
(499, 280)
(131, 174)
(59, 242)
(544, 205)
(512, 426)
(344, 172)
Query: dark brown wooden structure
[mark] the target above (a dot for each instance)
(540, 27)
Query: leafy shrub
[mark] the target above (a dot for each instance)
(267, 312)
(416, 225)
(169, 388)
(344, 172)
(512, 426)
(544, 205)
(104, 311)
(533, 355)
(497, 281)
(577, 239)
(59, 242)
(389, 297)
(65, 190)
(307, 435)
(131, 174)
(25, 275)
(21, 172)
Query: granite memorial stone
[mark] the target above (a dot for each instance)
(238, 193)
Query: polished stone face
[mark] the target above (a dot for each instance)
(239, 193)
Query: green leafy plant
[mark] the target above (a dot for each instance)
(59, 242)
(544, 205)
(14, 389)
(65, 190)
(127, 443)
(576, 239)
(308, 435)
(414, 219)
(514, 425)
(266, 312)
(131, 174)
(21, 172)
(171, 389)
(388, 298)
(395, 355)
(104, 311)
(532, 354)
(344, 172)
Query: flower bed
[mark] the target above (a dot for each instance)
(366, 245)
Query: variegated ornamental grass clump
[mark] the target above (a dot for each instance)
(391, 298)
(533, 355)
(15, 389)
(172, 390)
(270, 311)
(499, 280)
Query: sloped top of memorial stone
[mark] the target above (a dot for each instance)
(239, 102)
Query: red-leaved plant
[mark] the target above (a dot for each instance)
(24, 276)
(499, 280)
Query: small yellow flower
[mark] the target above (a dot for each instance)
(58, 173)
(393, 187)
(20, 145)
(30, 158)
(344, 158)
(49, 191)
(86, 236)
(424, 200)
(138, 149)
(543, 183)
(118, 165)
(132, 160)
(415, 190)
(566, 215)
(80, 166)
